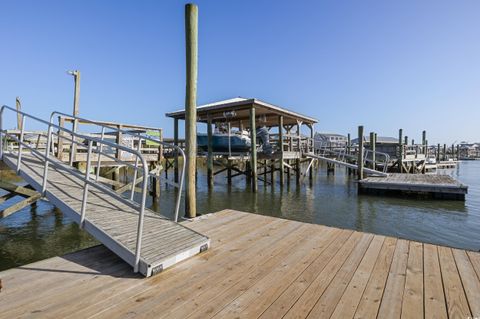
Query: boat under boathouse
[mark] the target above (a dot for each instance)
(284, 137)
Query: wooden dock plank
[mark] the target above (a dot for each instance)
(457, 304)
(348, 303)
(435, 306)
(469, 279)
(370, 301)
(258, 266)
(391, 304)
(412, 306)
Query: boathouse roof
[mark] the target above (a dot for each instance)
(237, 109)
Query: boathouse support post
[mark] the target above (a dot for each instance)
(209, 151)
(312, 141)
(360, 153)
(175, 152)
(297, 160)
(191, 32)
(280, 147)
(253, 152)
(400, 150)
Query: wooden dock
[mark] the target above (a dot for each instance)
(112, 221)
(257, 267)
(434, 186)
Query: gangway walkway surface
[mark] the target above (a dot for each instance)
(142, 238)
(346, 164)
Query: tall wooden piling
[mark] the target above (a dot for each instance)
(360, 153)
(280, 147)
(444, 152)
(253, 152)
(400, 150)
(438, 152)
(349, 143)
(191, 32)
(424, 142)
(372, 148)
(209, 152)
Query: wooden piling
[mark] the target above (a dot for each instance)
(372, 148)
(444, 152)
(400, 151)
(280, 146)
(191, 32)
(360, 153)
(349, 143)
(438, 152)
(210, 152)
(424, 142)
(18, 105)
(253, 152)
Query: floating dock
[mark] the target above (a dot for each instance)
(257, 267)
(424, 185)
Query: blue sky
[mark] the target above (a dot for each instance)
(383, 64)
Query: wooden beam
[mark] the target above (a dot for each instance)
(19, 190)
(191, 32)
(17, 206)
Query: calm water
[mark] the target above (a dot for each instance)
(41, 232)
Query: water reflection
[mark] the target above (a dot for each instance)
(331, 199)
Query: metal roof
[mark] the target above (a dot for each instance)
(241, 107)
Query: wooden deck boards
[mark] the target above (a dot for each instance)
(257, 267)
(438, 186)
(112, 221)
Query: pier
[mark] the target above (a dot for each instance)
(257, 267)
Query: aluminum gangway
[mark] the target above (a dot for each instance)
(341, 156)
(146, 240)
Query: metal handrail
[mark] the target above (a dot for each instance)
(86, 179)
(140, 137)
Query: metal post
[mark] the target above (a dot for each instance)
(191, 30)
(86, 185)
(20, 146)
(253, 152)
(360, 153)
(47, 153)
(134, 181)
(99, 159)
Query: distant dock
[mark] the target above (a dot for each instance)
(434, 186)
(257, 267)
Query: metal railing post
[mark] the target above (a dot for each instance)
(47, 152)
(138, 247)
(99, 161)
(20, 144)
(134, 182)
(85, 187)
